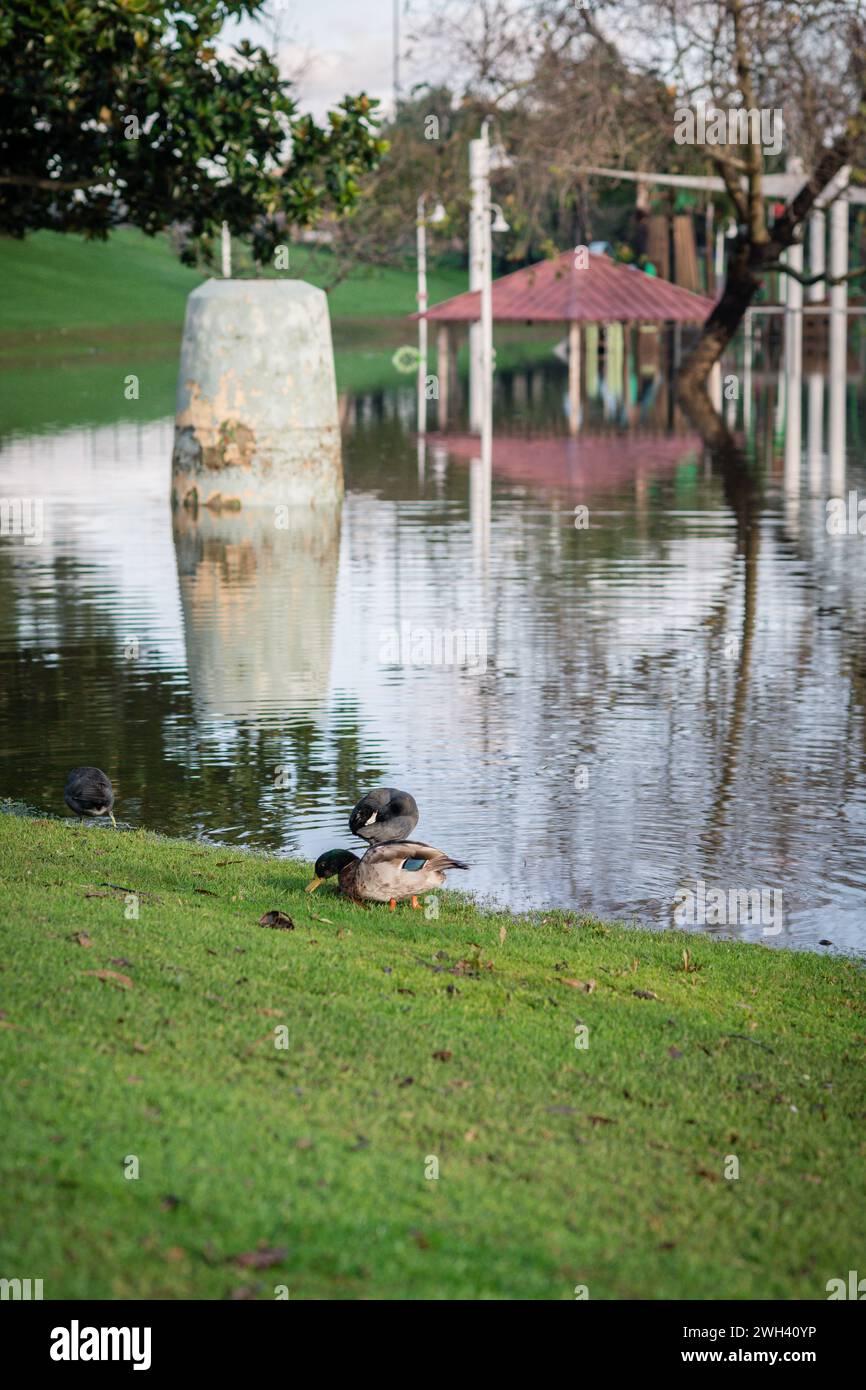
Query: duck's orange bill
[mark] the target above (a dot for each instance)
(311, 887)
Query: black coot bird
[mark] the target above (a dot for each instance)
(384, 814)
(88, 792)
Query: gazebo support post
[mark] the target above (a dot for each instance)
(573, 377)
(625, 376)
(443, 371)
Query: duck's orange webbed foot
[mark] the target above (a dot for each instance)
(392, 904)
(415, 902)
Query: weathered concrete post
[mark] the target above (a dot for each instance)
(257, 422)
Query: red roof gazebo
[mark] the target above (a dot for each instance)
(576, 288)
(603, 291)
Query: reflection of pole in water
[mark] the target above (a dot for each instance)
(257, 591)
(793, 449)
(815, 445)
(480, 481)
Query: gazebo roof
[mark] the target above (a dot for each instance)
(604, 291)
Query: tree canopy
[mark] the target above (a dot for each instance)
(134, 111)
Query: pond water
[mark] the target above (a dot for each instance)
(597, 717)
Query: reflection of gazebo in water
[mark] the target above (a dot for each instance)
(585, 291)
(592, 464)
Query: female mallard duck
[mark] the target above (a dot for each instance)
(386, 873)
(384, 814)
(88, 792)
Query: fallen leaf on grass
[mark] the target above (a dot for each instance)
(111, 977)
(206, 891)
(674, 1052)
(326, 920)
(644, 994)
(82, 938)
(262, 1259)
(600, 1120)
(277, 919)
(586, 985)
(705, 1173)
(443, 1055)
(272, 1013)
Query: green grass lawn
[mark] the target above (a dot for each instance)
(409, 1041)
(85, 290)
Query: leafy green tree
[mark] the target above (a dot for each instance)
(131, 111)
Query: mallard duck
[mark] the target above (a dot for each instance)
(386, 873)
(384, 814)
(88, 792)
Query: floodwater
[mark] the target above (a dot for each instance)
(598, 709)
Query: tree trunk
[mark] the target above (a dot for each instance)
(741, 285)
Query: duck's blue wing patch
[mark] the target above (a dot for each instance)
(413, 864)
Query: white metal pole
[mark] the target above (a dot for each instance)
(794, 312)
(487, 355)
(838, 335)
(226, 251)
(479, 189)
(421, 241)
(817, 254)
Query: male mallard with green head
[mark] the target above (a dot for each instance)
(387, 873)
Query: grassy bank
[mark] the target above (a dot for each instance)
(408, 1040)
(87, 290)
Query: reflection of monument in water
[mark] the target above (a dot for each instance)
(257, 589)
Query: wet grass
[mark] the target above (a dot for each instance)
(154, 1044)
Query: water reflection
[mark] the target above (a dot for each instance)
(674, 692)
(257, 592)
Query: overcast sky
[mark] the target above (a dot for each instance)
(336, 46)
